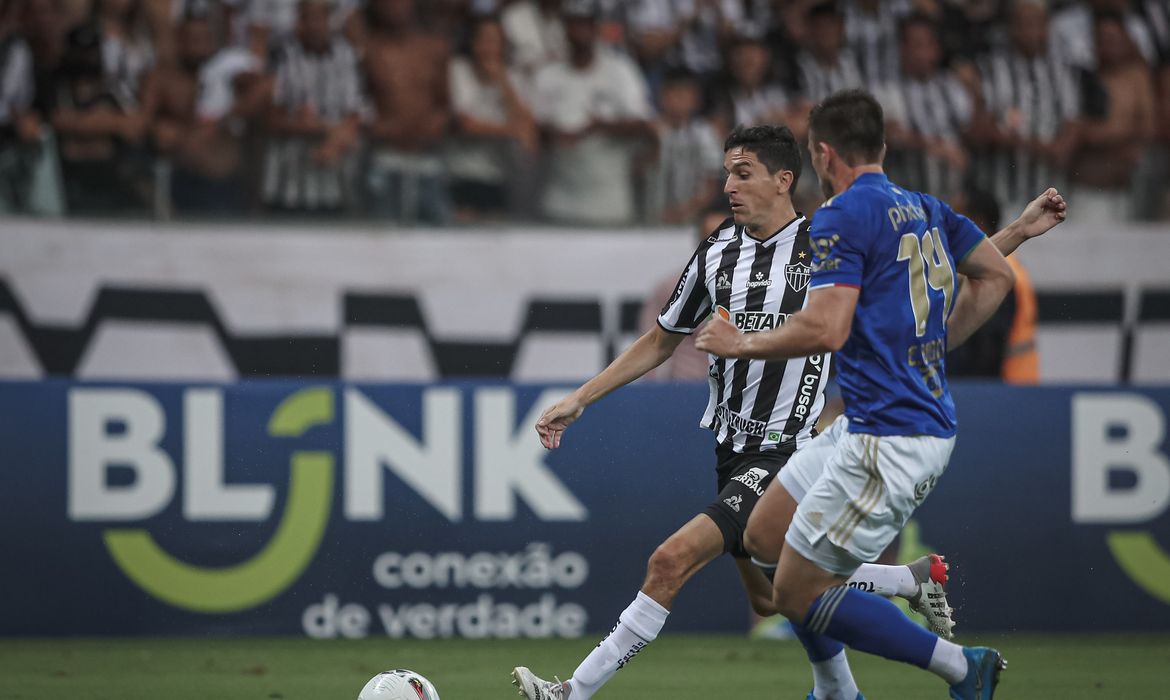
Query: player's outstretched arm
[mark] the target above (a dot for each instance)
(643, 355)
(1042, 214)
(823, 326)
(988, 280)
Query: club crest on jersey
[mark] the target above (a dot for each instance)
(723, 281)
(797, 276)
(752, 321)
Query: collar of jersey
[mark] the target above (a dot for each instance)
(786, 232)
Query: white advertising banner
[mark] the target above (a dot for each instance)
(135, 300)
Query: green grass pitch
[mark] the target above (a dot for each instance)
(675, 667)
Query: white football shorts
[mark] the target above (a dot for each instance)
(855, 492)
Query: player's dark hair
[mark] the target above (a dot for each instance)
(983, 207)
(851, 121)
(773, 144)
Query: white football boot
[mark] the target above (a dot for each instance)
(931, 599)
(534, 687)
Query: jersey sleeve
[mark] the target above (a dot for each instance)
(690, 303)
(962, 233)
(838, 252)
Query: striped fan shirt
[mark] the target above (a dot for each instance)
(873, 37)
(330, 84)
(937, 108)
(818, 81)
(1036, 96)
(755, 405)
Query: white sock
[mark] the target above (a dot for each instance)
(832, 679)
(948, 662)
(637, 626)
(886, 581)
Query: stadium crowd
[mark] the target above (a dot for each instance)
(596, 112)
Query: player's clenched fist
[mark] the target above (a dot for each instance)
(1043, 213)
(555, 419)
(719, 338)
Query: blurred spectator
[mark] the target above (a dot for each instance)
(271, 24)
(536, 34)
(1152, 197)
(668, 34)
(1159, 199)
(654, 31)
(100, 109)
(594, 108)
(1026, 128)
(44, 28)
(1075, 27)
(127, 53)
(749, 18)
(705, 28)
(203, 99)
(826, 66)
(927, 112)
(687, 363)
(311, 160)
(689, 153)
(871, 32)
(1111, 146)
(970, 28)
(1156, 14)
(496, 133)
(1004, 347)
(20, 127)
(407, 75)
(751, 95)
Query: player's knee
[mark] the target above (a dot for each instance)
(762, 544)
(790, 604)
(668, 563)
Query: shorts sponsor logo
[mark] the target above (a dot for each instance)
(807, 393)
(753, 479)
(923, 488)
(740, 424)
(734, 502)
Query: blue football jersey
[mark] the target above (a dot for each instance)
(899, 248)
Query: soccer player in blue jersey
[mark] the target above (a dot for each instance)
(898, 279)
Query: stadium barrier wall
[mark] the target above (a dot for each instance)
(350, 510)
(139, 301)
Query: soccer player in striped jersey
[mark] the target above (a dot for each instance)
(754, 270)
(887, 300)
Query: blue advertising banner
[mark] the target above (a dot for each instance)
(339, 510)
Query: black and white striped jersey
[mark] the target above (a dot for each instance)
(937, 108)
(1034, 96)
(818, 81)
(754, 405)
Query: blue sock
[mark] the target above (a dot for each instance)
(870, 623)
(818, 646)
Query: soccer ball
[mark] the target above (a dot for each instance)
(399, 684)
